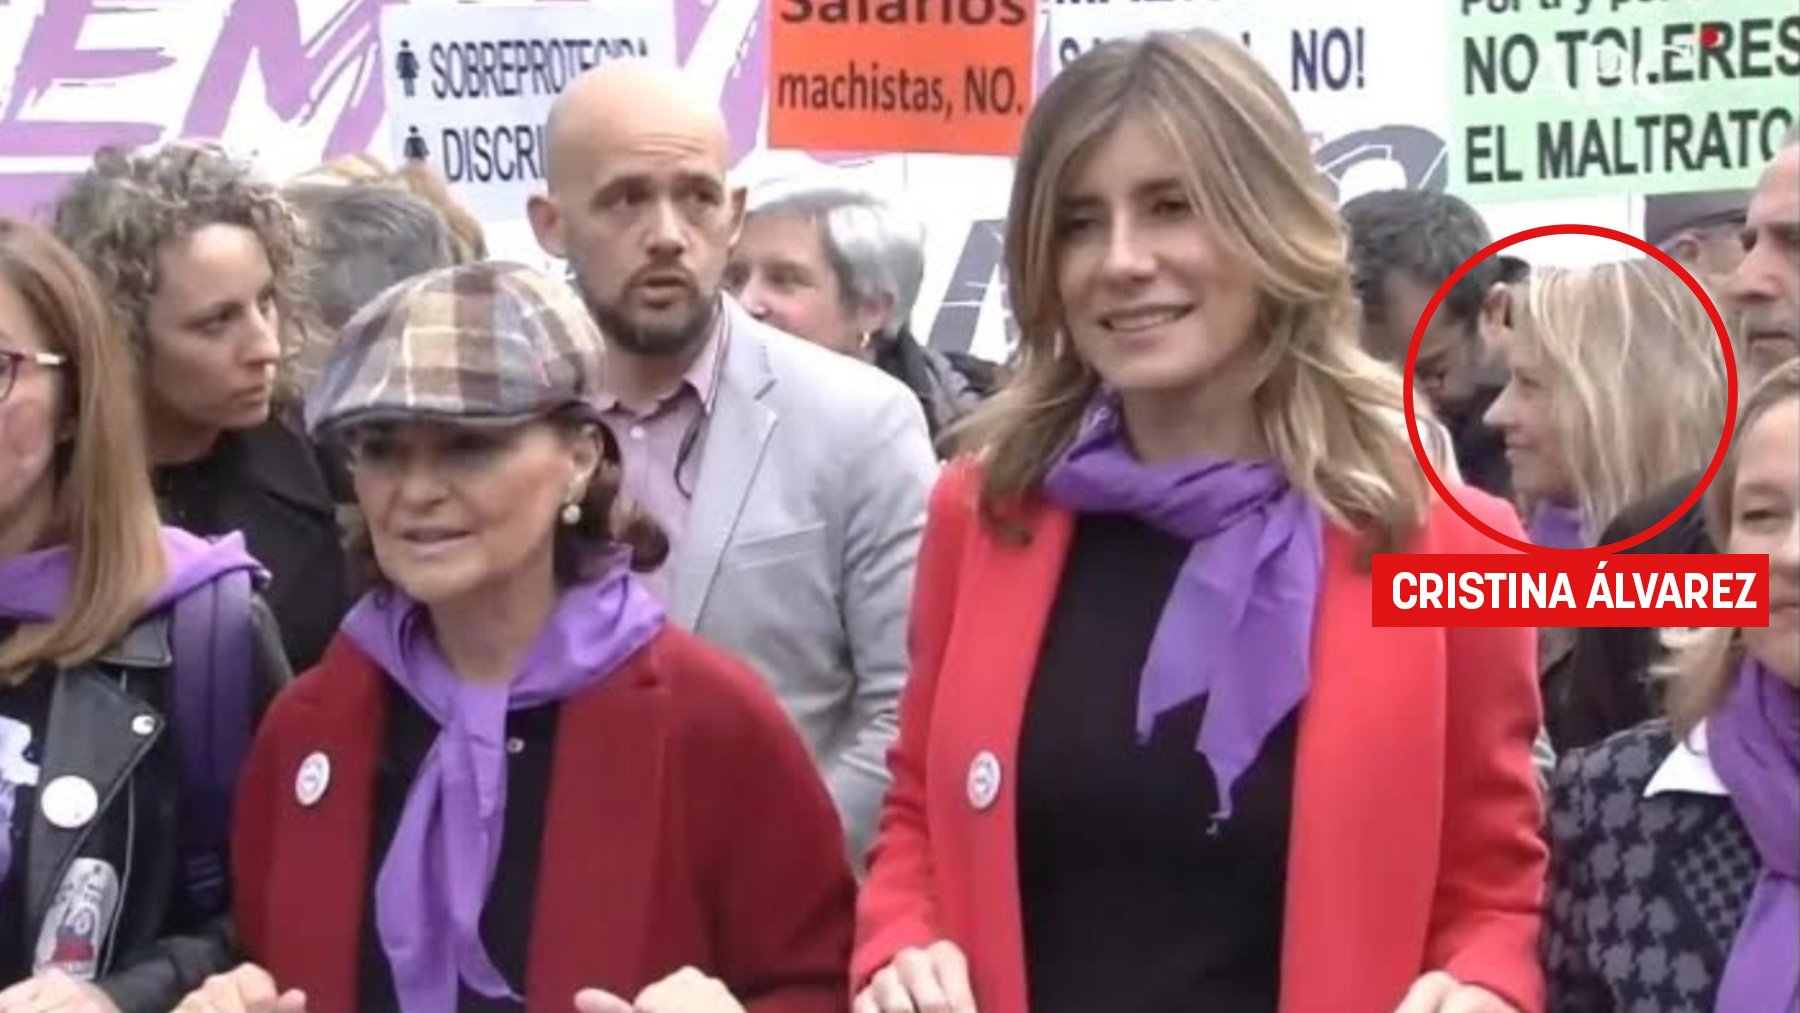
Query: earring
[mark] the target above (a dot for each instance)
(571, 514)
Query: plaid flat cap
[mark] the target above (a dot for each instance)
(487, 342)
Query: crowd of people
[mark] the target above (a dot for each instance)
(386, 627)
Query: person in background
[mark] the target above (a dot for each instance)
(1583, 440)
(1700, 230)
(199, 260)
(1403, 245)
(512, 784)
(1675, 873)
(114, 801)
(841, 267)
(1608, 692)
(468, 242)
(359, 240)
(1146, 689)
(792, 480)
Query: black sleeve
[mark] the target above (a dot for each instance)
(1608, 684)
(273, 672)
(179, 964)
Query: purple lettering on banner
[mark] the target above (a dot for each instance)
(741, 100)
(52, 56)
(297, 73)
(330, 75)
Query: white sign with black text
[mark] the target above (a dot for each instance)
(469, 92)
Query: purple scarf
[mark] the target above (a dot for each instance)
(1557, 527)
(1237, 627)
(1754, 741)
(34, 588)
(434, 881)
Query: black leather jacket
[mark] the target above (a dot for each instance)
(108, 726)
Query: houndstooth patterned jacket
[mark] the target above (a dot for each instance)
(1647, 887)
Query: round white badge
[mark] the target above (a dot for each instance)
(143, 724)
(70, 802)
(984, 780)
(313, 779)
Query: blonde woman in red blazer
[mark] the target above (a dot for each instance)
(1171, 508)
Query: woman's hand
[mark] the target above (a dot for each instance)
(55, 992)
(1437, 992)
(685, 991)
(248, 989)
(932, 980)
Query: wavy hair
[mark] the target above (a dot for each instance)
(1610, 335)
(104, 512)
(1331, 414)
(124, 209)
(1706, 660)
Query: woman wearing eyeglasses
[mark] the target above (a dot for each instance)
(133, 660)
(512, 784)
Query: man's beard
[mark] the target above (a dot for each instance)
(653, 342)
(1767, 335)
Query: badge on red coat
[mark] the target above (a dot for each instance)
(312, 780)
(984, 780)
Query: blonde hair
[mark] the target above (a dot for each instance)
(1332, 415)
(1705, 660)
(104, 510)
(1636, 376)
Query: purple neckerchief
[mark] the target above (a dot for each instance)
(1237, 627)
(434, 881)
(34, 588)
(1754, 743)
(1557, 527)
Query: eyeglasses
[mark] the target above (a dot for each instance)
(12, 362)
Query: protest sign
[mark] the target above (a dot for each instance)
(1561, 98)
(1365, 81)
(950, 76)
(469, 94)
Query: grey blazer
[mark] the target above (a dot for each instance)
(801, 542)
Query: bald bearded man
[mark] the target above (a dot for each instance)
(792, 481)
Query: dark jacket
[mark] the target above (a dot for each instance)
(1606, 691)
(1480, 448)
(109, 726)
(948, 387)
(268, 483)
(1646, 894)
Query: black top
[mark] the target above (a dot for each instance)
(1608, 688)
(1131, 903)
(27, 704)
(268, 483)
(1480, 448)
(512, 901)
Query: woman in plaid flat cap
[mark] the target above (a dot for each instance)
(511, 784)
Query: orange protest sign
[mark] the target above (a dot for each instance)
(945, 76)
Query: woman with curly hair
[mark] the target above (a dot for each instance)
(198, 256)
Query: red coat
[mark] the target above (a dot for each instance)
(1415, 835)
(686, 825)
